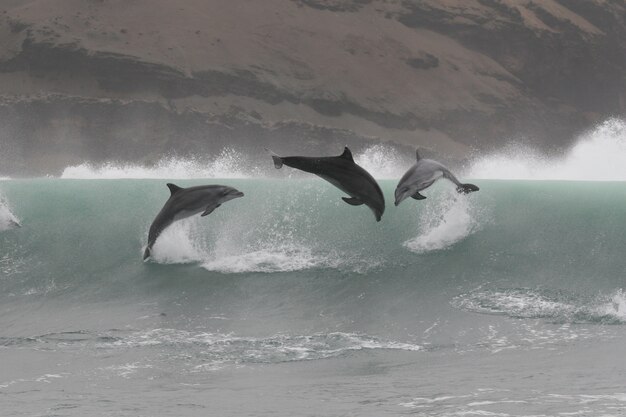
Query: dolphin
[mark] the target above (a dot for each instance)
(422, 175)
(185, 202)
(342, 172)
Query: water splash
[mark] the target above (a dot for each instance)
(8, 220)
(271, 258)
(228, 164)
(233, 251)
(179, 244)
(383, 161)
(446, 220)
(599, 155)
(557, 306)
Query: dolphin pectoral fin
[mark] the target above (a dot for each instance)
(209, 210)
(466, 188)
(418, 196)
(278, 162)
(352, 201)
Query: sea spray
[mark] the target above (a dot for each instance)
(447, 218)
(229, 163)
(8, 220)
(599, 155)
(383, 161)
(248, 243)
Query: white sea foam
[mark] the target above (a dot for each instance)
(271, 258)
(235, 252)
(446, 220)
(228, 348)
(613, 306)
(599, 155)
(178, 244)
(228, 164)
(560, 307)
(8, 220)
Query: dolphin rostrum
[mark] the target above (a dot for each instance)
(422, 175)
(342, 172)
(185, 202)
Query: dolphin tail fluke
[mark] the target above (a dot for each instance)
(466, 188)
(278, 161)
(146, 253)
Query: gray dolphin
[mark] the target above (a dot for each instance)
(185, 202)
(422, 175)
(342, 172)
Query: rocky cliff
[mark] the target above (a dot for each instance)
(132, 80)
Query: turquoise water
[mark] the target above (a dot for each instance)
(289, 299)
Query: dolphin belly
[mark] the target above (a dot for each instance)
(183, 214)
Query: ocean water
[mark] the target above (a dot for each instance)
(288, 302)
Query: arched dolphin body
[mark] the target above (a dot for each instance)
(342, 172)
(185, 202)
(422, 175)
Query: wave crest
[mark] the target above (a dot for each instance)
(599, 155)
(383, 161)
(228, 164)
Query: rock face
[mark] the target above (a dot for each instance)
(133, 80)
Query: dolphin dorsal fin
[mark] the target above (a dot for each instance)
(346, 154)
(417, 154)
(173, 188)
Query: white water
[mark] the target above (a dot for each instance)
(228, 164)
(384, 161)
(233, 251)
(8, 220)
(445, 220)
(598, 155)
(529, 303)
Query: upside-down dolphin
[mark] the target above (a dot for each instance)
(185, 202)
(422, 175)
(342, 172)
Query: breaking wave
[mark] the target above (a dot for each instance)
(383, 161)
(599, 155)
(228, 164)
